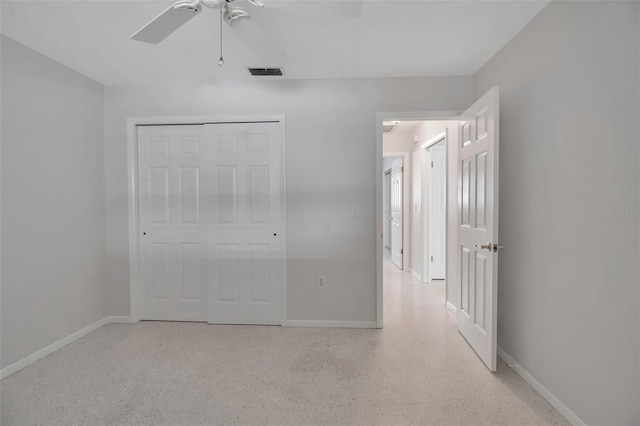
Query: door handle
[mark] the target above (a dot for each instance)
(490, 246)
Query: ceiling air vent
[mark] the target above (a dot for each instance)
(266, 72)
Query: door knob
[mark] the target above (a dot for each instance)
(490, 246)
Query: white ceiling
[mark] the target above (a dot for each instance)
(390, 39)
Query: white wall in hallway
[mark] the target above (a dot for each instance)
(331, 158)
(53, 212)
(400, 140)
(568, 299)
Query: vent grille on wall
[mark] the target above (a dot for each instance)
(266, 72)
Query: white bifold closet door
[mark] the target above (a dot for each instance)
(211, 220)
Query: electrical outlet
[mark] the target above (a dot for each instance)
(322, 281)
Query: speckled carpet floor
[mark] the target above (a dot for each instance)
(417, 370)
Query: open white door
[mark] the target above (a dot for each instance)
(397, 202)
(478, 209)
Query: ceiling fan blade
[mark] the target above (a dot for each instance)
(344, 8)
(167, 22)
(258, 39)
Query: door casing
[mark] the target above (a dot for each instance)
(387, 208)
(426, 208)
(133, 195)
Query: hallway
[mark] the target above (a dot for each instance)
(417, 370)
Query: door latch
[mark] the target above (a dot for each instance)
(490, 246)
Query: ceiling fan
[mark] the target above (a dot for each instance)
(180, 12)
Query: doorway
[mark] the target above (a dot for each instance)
(471, 217)
(418, 141)
(396, 231)
(434, 229)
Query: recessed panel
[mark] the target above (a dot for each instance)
(480, 288)
(466, 192)
(259, 277)
(258, 143)
(159, 195)
(190, 271)
(466, 134)
(227, 194)
(481, 190)
(159, 145)
(226, 144)
(189, 195)
(190, 146)
(228, 273)
(464, 278)
(481, 124)
(160, 271)
(258, 193)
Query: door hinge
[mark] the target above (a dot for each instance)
(432, 164)
(402, 169)
(432, 259)
(401, 251)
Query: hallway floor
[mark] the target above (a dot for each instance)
(417, 370)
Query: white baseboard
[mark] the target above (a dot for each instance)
(416, 275)
(30, 359)
(121, 320)
(451, 308)
(539, 387)
(330, 324)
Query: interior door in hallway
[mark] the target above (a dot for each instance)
(437, 210)
(397, 203)
(478, 210)
(246, 190)
(172, 241)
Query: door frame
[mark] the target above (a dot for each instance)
(133, 195)
(426, 189)
(406, 206)
(388, 116)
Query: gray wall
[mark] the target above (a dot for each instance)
(330, 168)
(53, 208)
(568, 293)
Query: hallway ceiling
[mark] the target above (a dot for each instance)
(390, 39)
